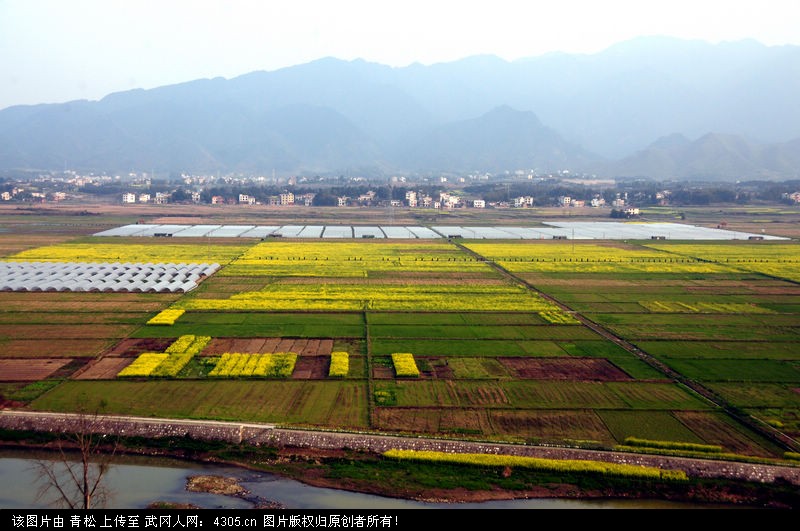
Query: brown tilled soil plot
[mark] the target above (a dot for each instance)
(265, 345)
(104, 369)
(134, 347)
(576, 369)
(380, 372)
(28, 370)
(311, 367)
(67, 348)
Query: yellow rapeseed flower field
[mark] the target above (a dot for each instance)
(127, 252)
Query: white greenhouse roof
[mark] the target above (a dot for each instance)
(90, 276)
(579, 230)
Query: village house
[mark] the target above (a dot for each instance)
(597, 202)
(523, 201)
(305, 199)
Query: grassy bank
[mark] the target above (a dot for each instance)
(439, 481)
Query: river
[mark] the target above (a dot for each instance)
(136, 482)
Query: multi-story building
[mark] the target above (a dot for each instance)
(523, 201)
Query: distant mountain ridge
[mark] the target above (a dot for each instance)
(612, 113)
(712, 157)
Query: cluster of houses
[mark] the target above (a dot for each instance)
(15, 192)
(284, 199)
(159, 198)
(413, 199)
(793, 197)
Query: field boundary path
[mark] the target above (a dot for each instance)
(771, 433)
(273, 435)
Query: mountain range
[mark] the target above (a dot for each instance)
(650, 107)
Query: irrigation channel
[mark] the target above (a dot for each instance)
(771, 433)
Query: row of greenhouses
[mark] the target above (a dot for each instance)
(114, 277)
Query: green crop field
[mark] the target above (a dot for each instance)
(736, 370)
(341, 403)
(652, 425)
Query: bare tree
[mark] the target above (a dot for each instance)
(75, 478)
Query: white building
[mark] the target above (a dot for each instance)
(523, 201)
(128, 198)
(448, 200)
(479, 203)
(305, 199)
(597, 202)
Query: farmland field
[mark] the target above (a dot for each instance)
(524, 341)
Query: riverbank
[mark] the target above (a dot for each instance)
(354, 462)
(369, 473)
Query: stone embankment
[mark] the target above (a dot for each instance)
(268, 434)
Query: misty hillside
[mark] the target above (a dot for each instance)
(499, 140)
(649, 107)
(712, 157)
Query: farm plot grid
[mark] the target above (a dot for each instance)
(484, 355)
(722, 314)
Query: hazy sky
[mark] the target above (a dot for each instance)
(61, 50)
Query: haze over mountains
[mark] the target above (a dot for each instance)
(651, 107)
